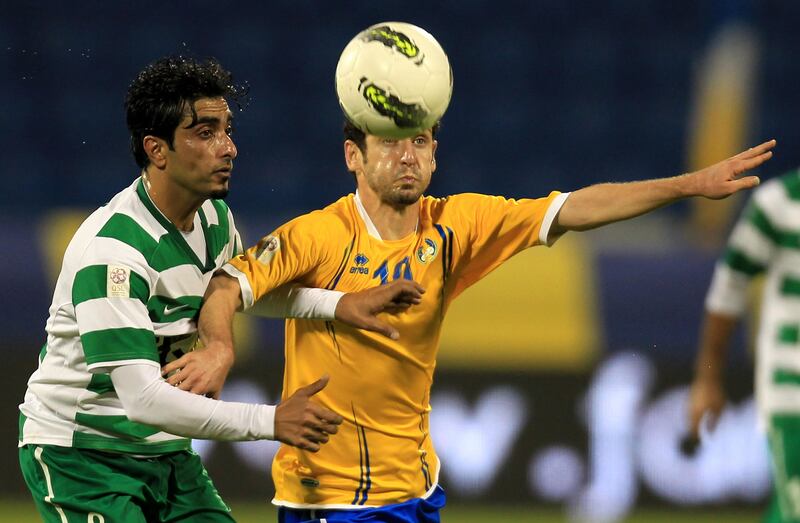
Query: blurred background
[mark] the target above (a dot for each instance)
(563, 376)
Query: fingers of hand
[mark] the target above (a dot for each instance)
(177, 364)
(310, 390)
(321, 415)
(757, 150)
(175, 377)
(394, 308)
(750, 181)
(306, 444)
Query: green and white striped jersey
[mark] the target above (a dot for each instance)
(129, 291)
(767, 240)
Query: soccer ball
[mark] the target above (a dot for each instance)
(394, 80)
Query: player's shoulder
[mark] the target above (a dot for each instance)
(125, 226)
(790, 183)
(784, 188)
(458, 203)
(336, 217)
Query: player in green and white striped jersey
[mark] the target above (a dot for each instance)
(103, 437)
(764, 241)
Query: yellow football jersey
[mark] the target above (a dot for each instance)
(383, 452)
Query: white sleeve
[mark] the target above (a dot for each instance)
(293, 301)
(727, 293)
(148, 399)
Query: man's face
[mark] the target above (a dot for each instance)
(201, 160)
(397, 171)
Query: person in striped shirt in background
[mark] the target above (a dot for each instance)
(763, 242)
(103, 436)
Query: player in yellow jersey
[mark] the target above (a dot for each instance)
(382, 461)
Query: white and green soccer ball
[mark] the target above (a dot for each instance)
(394, 80)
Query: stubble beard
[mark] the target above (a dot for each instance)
(219, 194)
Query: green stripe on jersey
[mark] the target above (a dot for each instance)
(781, 237)
(760, 221)
(92, 282)
(119, 426)
(126, 343)
(785, 377)
(166, 310)
(95, 442)
(169, 251)
(125, 229)
(219, 235)
(740, 262)
(790, 286)
(100, 384)
(789, 334)
(791, 182)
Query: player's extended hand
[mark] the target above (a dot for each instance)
(706, 398)
(202, 371)
(360, 309)
(725, 178)
(302, 423)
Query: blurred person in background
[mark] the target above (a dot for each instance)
(103, 437)
(763, 242)
(382, 465)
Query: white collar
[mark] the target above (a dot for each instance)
(371, 229)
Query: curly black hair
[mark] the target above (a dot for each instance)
(158, 97)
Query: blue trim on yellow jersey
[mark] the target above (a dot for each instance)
(365, 494)
(331, 328)
(365, 481)
(342, 266)
(447, 257)
(425, 472)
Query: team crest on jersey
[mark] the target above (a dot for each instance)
(360, 261)
(118, 281)
(428, 251)
(267, 248)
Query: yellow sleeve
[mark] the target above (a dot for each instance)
(493, 229)
(289, 253)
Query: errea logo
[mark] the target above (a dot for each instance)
(360, 261)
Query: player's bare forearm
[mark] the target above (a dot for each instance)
(222, 299)
(205, 370)
(605, 203)
(707, 394)
(715, 338)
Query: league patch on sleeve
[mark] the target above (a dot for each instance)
(118, 281)
(267, 248)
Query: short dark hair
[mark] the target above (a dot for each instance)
(157, 98)
(359, 137)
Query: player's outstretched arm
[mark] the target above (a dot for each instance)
(360, 309)
(606, 203)
(302, 423)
